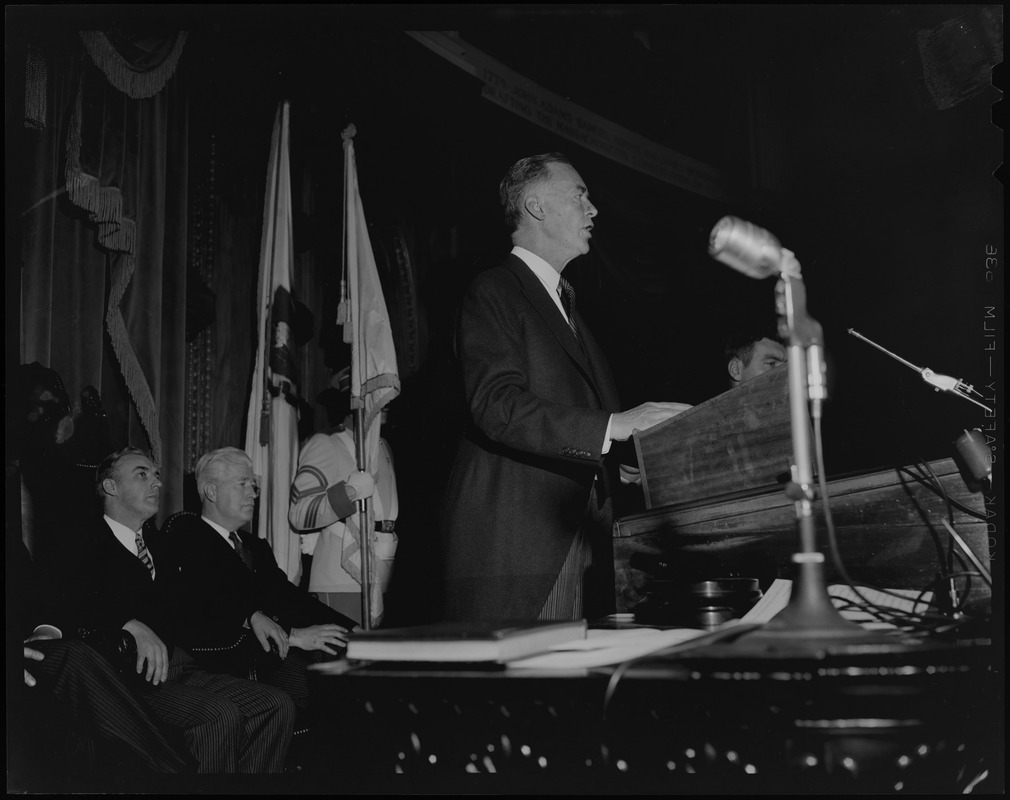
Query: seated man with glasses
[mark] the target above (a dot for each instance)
(241, 613)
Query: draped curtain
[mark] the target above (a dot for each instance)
(100, 168)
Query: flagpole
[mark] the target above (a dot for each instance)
(366, 538)
(374, 377)
(265, 410)
(360, 456)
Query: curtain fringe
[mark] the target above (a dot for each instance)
(129, 364)
(122, 75)
(36, 87)
(104, 204)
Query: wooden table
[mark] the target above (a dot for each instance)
(721, 719)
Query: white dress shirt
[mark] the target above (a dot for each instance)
(126, 537)
(550, 278)
(225, 534)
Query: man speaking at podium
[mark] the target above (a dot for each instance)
(527, 517)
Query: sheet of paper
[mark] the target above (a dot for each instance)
(771, 602)
(605, 647)
(850, 605)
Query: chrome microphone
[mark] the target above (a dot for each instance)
(745, 247)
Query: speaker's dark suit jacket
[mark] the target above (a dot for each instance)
(220, 593)
(538, 407)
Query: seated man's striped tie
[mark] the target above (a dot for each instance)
(144, 555)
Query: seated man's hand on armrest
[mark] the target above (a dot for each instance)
(267, 631)
(150, 649)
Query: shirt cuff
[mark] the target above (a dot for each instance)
(606, 438)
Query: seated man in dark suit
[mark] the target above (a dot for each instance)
(71, 718)
(118, 581)
(72, 695)
(240, 605)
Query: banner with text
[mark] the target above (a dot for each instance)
(523, 97)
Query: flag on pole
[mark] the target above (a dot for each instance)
(374, 377)
(272, 428)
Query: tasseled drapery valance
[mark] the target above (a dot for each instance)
(138, 67)
(36, 80)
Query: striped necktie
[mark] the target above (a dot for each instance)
(144, 555)
(240, 549)
(567, 294)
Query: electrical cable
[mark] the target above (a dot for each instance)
(923, 621)
(832, 537)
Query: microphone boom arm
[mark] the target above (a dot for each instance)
(942, 383)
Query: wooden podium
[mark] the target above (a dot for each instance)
(737, 442)
(714, 484)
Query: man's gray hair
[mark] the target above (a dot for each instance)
(212, 465)
(524, 173)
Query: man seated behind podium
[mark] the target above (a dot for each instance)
(753, 352)
(240, 605)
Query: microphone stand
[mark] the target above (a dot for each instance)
(809, 624)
